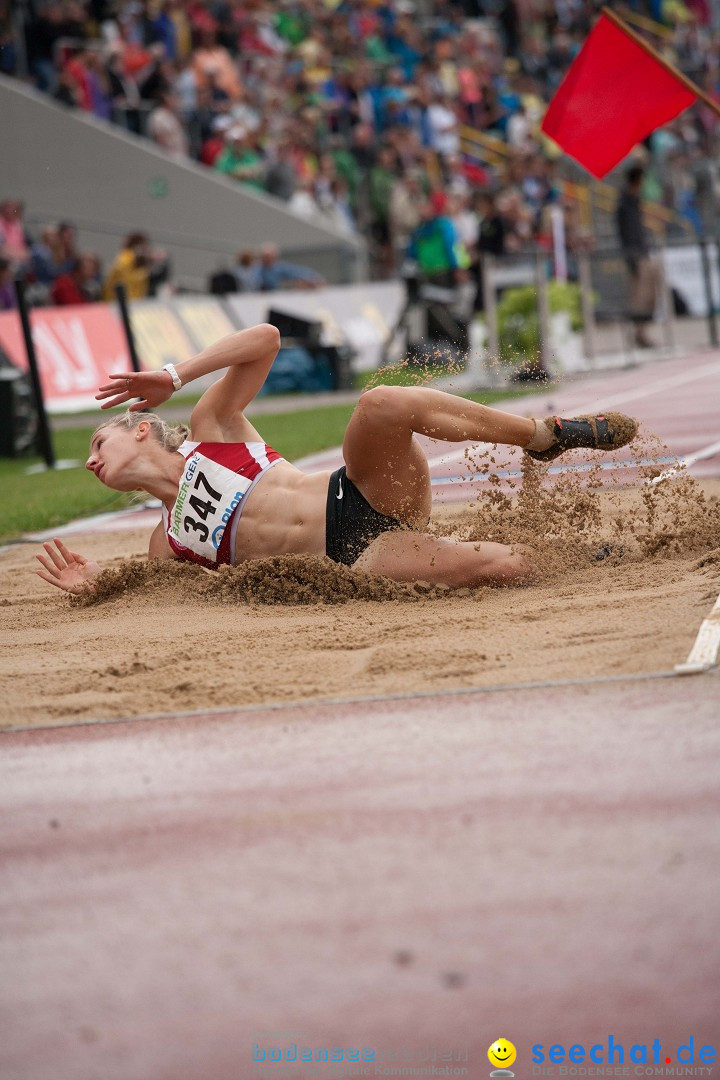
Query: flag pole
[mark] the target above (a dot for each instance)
(688, 83)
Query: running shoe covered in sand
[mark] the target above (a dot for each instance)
(608, 432)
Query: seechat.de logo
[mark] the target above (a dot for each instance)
(614, 1053)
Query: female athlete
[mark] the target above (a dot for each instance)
(228, 497)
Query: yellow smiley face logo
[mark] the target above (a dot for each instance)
(502, 1053)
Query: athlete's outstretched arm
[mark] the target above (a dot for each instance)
(247, 354)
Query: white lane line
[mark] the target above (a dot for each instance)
(654, 387)
(516, 474)
(704, 652)
(451, 456)
(685, 462)
(670, 383)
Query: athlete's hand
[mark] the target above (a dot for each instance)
(152, 387)
(66, 569)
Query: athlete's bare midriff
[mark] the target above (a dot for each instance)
(284, 515)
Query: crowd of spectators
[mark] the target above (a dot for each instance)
(56, 272)
(48, 261)
(263, 271)
(352, 111)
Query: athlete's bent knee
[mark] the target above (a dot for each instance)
(382, 403)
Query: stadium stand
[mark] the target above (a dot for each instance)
(357, 113)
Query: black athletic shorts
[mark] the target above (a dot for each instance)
(351, 523)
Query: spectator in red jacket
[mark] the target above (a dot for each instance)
(79, 285)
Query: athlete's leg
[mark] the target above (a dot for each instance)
(411, 556)
(386, 463)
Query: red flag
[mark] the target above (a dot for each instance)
(613, 96)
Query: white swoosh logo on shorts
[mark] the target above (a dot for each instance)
(340, 490)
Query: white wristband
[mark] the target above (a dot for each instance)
(176, 380)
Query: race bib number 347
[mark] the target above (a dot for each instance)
(207, 496)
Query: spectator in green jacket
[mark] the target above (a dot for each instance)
(435, 246)
(240, 160)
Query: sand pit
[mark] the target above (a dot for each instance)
(173, 637)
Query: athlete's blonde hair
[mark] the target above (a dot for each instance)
(169, 437)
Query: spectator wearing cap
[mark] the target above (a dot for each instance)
(214, 144)
(434, 245)
(240, 160)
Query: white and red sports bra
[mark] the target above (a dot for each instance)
(217, 479)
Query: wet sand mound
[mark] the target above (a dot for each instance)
(285, 579)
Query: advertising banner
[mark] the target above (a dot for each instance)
(160, 337)
(684, 269)
(362, 316)
(77, 347)
(204, 319)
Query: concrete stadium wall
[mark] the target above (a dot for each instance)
(67, 165)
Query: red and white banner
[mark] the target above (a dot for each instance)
(76, 349)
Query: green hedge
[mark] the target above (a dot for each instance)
(518, 323)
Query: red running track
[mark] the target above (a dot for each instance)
(540, 864)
